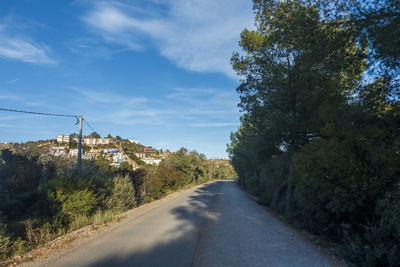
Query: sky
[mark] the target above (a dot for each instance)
(156, 71)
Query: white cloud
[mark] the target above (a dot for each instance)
(195, 107)
(12, 97)
(24, 99)
(116, 26)
(21, 48)
(198, 35)
(12, 81)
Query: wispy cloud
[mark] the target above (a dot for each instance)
(12, 81)
(117, 25)
(26, 100)
(198, 35)
(109, 97)
(20, 47)
(17, 48)
(6, 96)
(193, 107)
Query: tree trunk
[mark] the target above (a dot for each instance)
(277, 194)
(289, 191)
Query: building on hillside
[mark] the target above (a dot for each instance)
(110, 150)
(95, 141)
(152, 161)
(140, 155)
(133, 141)
(74, 152)
(95, 153)
(104, 141)
(58, 151)
(166, 153)
(149, 149)
(63, 138)
(150, 152)
(119, 158)
(89, 141)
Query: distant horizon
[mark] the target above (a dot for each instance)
(164, 149)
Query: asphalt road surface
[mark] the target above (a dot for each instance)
(212, 225)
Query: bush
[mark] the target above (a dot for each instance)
(384, 239)
(52, 201)
(341, 194)
(272, 175)
(78, 203)
(123, 194)
(5, 242)
(39, 235)
(72, 197)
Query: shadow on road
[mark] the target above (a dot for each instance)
(182, 239)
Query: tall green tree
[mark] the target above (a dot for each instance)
(377, 23)
(295, 71)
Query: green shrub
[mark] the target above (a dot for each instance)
(123, 194)
(77, 203)
(79, 221)
(6, 245)
(272, 175)
(384, 238)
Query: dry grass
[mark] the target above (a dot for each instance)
(104, 217)
(36, 236)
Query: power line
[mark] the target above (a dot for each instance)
(90, 127)
(40, 113)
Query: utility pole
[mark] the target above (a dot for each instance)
(79, 163)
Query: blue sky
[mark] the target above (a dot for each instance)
(154, 71)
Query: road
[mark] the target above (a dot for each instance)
(212, 225)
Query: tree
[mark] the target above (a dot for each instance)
(311, 117)
(295, 72)
(123, 194)
(378, 27)
(94, 135)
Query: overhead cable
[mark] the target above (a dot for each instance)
(40, 113)
(90, 127)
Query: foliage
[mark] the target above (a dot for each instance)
(37, 236)
(103, 217)
(294, 71)
(5, 242)
(316, 128)
(42, 198)
(377, 23)
(79, 221)
(74, 196)
(122, 197)
(94, 135)
(78, 202)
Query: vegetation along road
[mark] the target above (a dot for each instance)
(210, 225)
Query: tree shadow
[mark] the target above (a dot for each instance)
(180, 248)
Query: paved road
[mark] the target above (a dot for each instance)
(212, 225)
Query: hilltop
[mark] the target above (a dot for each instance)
(109, 150)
